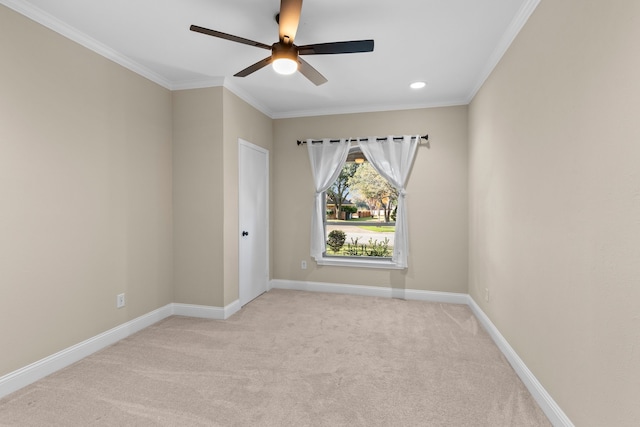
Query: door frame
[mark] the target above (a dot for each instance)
(247, 144)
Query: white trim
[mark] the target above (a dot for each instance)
(40, 16)
(372, 291)
(521, 18)
(544, 399)
(43, 18)
(261, 252)
(359, 262)
(231, 309)
(367, 108)
(225, 83)
(551, 409)
(22, 377)
(29, 374)
(355, 109)
(435, 296)
(198, 84)
(246, 97)
(206, 311)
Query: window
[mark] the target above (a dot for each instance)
(392, 158)
(360, 213)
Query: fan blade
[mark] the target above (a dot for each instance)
(255, 67)
(311, 73)
(355, 46)
(289, 19)
(226, 36)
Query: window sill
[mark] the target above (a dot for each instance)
(359, 262)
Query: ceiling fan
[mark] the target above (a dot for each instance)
(285, 56)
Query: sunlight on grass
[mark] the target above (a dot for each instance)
(369, 219)
(379, 229)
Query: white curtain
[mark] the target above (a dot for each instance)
(393, 159)
(327, 159)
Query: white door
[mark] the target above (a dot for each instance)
(253, 218)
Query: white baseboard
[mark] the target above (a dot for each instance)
(22, 377)
(551, 409)
(543, 398)
(206, 311)
(29, 374)
(371, 291)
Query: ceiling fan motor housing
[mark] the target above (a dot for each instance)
(285, 56)
(281, 50)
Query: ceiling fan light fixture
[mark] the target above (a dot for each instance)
(285, 66)
(285, 58)
(285, 55)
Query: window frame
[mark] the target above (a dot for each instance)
(353, 261)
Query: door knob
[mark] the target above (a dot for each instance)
(245, 233)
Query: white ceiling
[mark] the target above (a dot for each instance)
(452, 45)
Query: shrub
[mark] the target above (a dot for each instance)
(353, 249)
(336, 240)
(378, 249)
(350, 209)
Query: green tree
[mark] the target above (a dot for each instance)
(337, 193)
(368, 185)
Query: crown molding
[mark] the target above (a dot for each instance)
(365, 109)
(198, 84)
(54, 24)
(246, 97)
(521, 18)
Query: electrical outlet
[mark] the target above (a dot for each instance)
(486, 294)
(120, 301)
(303, 265)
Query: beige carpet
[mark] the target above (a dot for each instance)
(291, 359)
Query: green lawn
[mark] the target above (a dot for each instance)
(357, 220)
(369, 219)
(379, 229)
(361, 223)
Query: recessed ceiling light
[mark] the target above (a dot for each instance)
(417, 85)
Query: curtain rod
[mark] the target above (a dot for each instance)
(395, 138)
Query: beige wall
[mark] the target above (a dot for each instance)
(206, 126)
(85, 185)
(436, 198)
(555, 205)
(198, 196)
(93, 198)
(240, 121)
